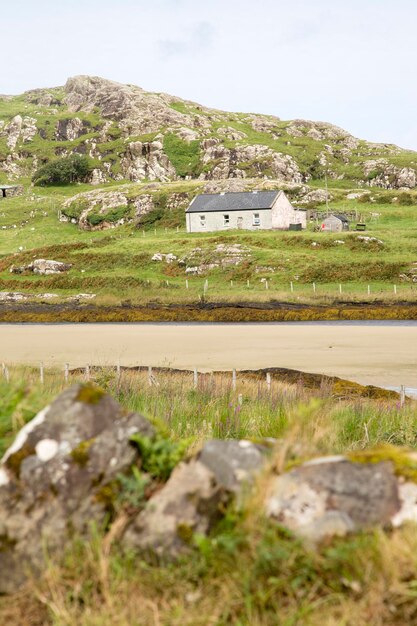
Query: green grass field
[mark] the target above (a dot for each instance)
(116, 265)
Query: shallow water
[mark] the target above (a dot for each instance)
(372, 352)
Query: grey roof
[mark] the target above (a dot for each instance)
(233, 201)
(8, 186)
(340, 217)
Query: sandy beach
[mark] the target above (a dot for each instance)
(370, 353)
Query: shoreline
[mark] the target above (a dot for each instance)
(273, 311)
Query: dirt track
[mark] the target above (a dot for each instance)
(370, 353)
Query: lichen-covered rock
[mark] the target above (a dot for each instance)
(194, 497)
(53, 476)
(333, 496)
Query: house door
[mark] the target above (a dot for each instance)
(240, 222)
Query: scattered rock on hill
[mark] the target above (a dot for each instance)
(42, 266)
(316, 195)
(365, 239)
(200, 261)
(168, 258)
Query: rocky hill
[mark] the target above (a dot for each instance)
(133, 135)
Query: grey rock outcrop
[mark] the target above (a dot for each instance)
(381, 173)
(19, 128)
(69, 129)
(257, 160)
(53, 476)
(146, 161)
(137, 111)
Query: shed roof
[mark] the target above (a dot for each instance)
(338, 216)
(233, 201)
(8, 186)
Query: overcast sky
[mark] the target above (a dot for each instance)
(349, 62)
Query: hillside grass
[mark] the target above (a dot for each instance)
(117, 264)
(249, 571)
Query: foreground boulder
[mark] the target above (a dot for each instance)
(336, 495)
(195, 497)
(53, 478)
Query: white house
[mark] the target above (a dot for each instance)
(252, 210)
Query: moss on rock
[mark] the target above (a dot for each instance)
(80, 454)
(15, 460)
(90, 394)
(403, 460)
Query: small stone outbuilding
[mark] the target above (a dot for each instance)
(7, 191)
(253, 210)
(335, 223)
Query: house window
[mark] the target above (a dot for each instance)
(256, 219)
(226, 220)
(203, 221)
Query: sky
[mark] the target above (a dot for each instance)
(348, 62)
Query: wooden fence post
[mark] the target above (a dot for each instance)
(247, 283)
(41, 373)
(314, 287)
(87, 372)
(150, 376)
(268, 381)
(266, 285)
(231, 283)
(369, 290)
(195, 378)
(340, 287)
(402, 395)
(291, 286)
(234, 380)
(395, 289)
(118, 371)
(66, 372)
(186, 283)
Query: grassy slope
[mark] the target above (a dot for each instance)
(116, 264)
(249, 572)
